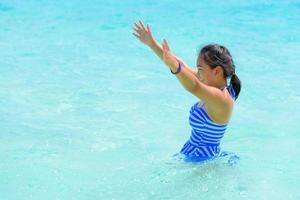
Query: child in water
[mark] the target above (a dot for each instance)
(210, 116)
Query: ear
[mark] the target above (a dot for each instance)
(218, 70)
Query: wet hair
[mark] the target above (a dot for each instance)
(217, 55)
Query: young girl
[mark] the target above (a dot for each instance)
(208, 117)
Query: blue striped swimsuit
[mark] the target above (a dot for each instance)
(204, 142)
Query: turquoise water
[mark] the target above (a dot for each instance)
(88, 112)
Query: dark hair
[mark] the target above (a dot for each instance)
(217, 55)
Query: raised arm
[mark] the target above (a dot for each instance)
(145, 36)
(157, 48)
(187, 77)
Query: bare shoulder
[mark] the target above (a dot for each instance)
(221, 115)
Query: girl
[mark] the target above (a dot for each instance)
(208, 117)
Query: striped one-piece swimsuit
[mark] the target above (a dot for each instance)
(204, 142)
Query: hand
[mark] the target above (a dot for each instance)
(168, 57)
(143, 34)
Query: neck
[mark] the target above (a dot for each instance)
(221, 85)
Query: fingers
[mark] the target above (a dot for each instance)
(166, 45)
(136, 35)
(142, 31)
(141, 23)
(137, 26)
(149, 30)
(136, 30)
(141, 27)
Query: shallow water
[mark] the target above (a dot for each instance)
(90, 113)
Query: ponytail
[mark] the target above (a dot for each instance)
(236, 84)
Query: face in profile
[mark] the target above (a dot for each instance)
(208, 75)
(204, 72)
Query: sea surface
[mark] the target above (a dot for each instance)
(89, 112)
